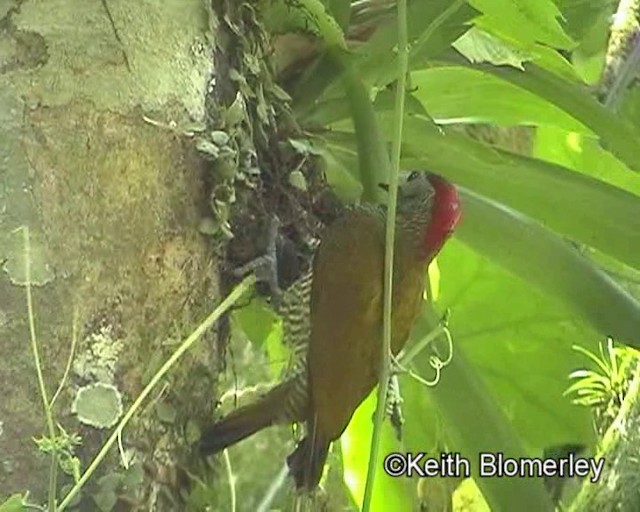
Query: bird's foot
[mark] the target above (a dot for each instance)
(394, 405)
(393, 400)
(265, 267)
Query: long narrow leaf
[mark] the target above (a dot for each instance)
(580, 207)
(547, 261)
(475, 425)
(618, 136)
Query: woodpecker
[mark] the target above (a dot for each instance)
(333, 320)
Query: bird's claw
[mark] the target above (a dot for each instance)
(265, 267)
(394, 406)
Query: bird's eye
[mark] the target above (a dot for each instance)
(413, 175)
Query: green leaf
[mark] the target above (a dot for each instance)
(583, 154)
(389, 493)
(12, 504)
(263, 328)
(517, 337)
(480, 46)
(525, 20)
(519, 343)
(257, 320)
(479, 408)
(485, 98)
(594, 213)
(279, 354)
(617, 135)
(551, 264)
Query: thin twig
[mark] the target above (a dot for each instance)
(53, 469)
(74, 340)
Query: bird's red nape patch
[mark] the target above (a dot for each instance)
(445, 214)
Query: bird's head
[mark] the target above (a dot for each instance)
(429, 209)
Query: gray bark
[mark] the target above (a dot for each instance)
(112, 203)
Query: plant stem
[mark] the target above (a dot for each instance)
(65, 375)
(53, 468)
(385, 362)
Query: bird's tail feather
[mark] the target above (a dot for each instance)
(307, 462)
(246, 421)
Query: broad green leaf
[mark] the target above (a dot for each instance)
(279, 354)
(517, 338)
(480, 46)
(551, 264)
(257, 320)
(518, 341)
(592, 212)
(263, 328)
(484, 98)
(617, 135)
(474, 424)
(583, 154)
(525, 20)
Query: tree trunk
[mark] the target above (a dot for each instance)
(112, 202)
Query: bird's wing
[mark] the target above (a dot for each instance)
(346, 311)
